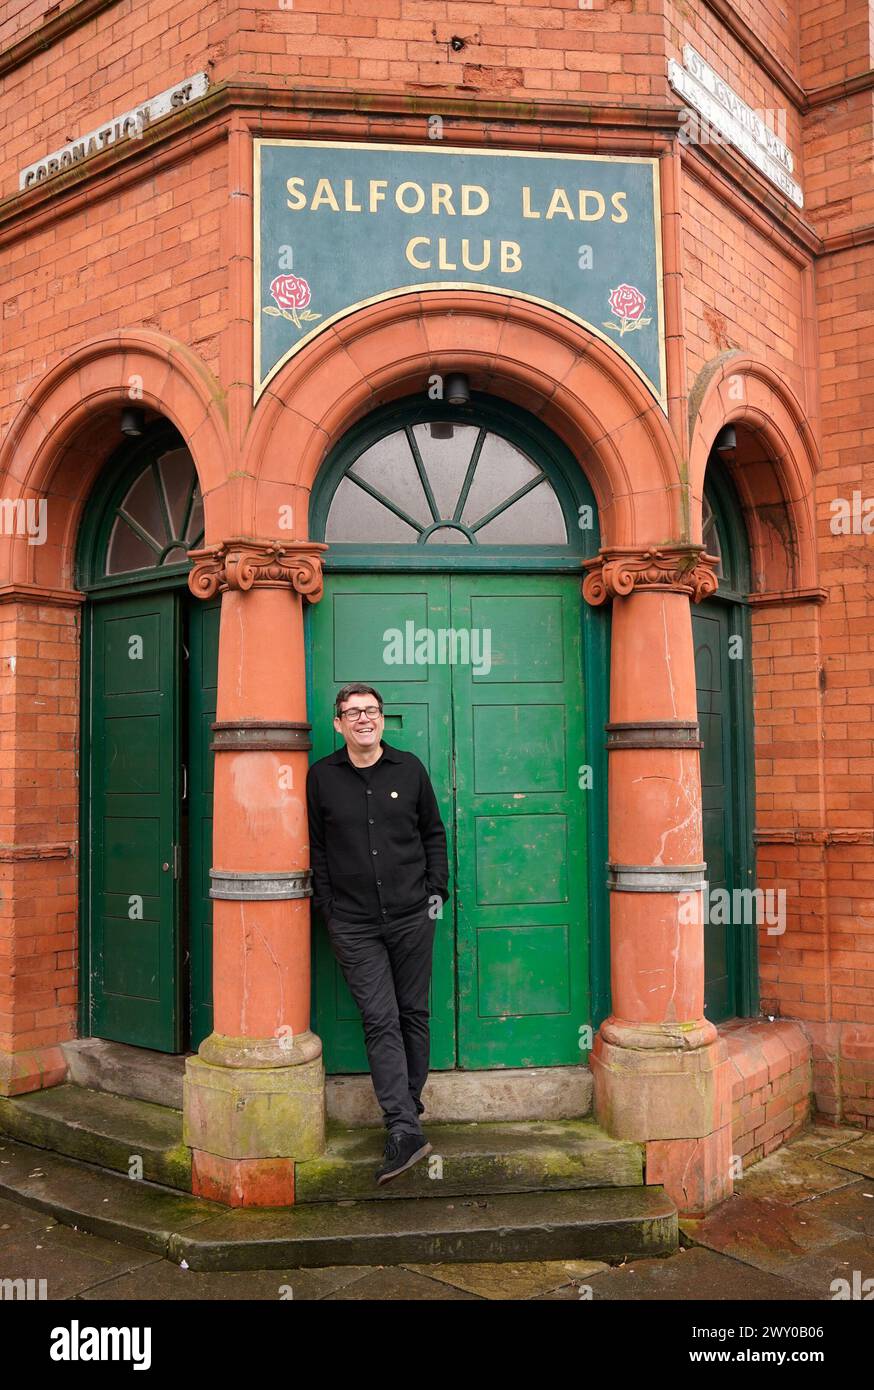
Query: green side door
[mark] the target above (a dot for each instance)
(711, 637)
(133, 732)
(352, 628)
(203, 638)
(522, 905)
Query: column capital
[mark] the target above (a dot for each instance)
(244, 564)
(620, 570)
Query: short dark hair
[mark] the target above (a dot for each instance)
(356, 688)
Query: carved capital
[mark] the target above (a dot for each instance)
(245, 564)
(621, 570)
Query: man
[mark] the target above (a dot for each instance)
(380, 875)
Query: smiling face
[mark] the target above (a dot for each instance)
(363, 734)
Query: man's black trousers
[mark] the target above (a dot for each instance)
(387, 966)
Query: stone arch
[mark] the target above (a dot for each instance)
(68, 425)
(774, 469)
(509, 348)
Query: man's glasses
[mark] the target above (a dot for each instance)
(353, 715)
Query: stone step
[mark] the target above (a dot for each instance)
(610, 1224)
(111, 1131)
(107, 1130)
(122, 1070)
(471, 1159)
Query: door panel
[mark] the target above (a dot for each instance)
(133, 730)
(349, 628)
(522, 908)
(710, 632)
(203, 639)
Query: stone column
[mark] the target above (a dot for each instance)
(659, 1068)
(255, 1093)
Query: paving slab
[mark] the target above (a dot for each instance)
(849, 1258)
(852, 1207)
(691, 1276)
(511, 1281)
(16, 1220)
(162, 1281)
(69, 1261)
(394, 1283)
(857, 1157)
(762, 1233)
(797, 1170)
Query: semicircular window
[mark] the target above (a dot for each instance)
(710, 534)
(447, 484)
(160, 517)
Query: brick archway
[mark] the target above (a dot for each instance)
(774, 471)
(63, 432)
(530, 355)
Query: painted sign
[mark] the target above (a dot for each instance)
(340, 225)
(128, 126)
(729, 116)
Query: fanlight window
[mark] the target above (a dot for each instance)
(446, 484)
(160, 518)
(710, 534)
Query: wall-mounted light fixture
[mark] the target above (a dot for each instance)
(458, 389)
(726, 440)
(132, 422)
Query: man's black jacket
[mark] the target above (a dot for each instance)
(377, 846)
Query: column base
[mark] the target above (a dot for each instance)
(677, 1101)
(243, 1182)
(32, 1070)
(661, 1093)
(248, 1125)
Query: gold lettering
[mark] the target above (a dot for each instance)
(465, 255)
(442, 262)
(350, 206)
(585, 194)
(441, 198)
(615, 200)
(297, 193)
(526, 203)
(377, 192)
(324, 194)
(466, 190)
(511, 257)
(559, 203)
(408, 252)
(419, 194)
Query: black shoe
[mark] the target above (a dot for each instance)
(401, 1152)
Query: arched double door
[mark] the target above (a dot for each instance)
(452, 585)
(149, 663)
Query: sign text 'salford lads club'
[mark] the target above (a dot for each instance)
(341, 225)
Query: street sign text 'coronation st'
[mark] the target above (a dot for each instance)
(129, 125)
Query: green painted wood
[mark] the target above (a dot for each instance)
(133, 821)
(722, 639)
(522, 896)
(203, 640)
(718, 791)
(348, 644)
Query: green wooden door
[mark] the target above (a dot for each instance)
(203, 638)
(711, 637)
(133, 735)
(522, 928)
(349, 627)
(513, 737)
